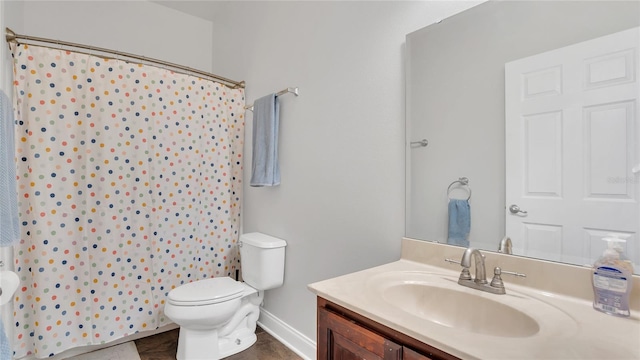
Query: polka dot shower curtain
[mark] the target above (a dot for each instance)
(129, 183)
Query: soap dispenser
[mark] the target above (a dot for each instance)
(612, 279)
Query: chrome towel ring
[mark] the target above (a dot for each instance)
(463, 181)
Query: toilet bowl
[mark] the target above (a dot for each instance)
(218, 311)
(217, 316)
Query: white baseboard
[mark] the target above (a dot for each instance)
(290, 337)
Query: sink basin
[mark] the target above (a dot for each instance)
(461, 310)
(439, 299)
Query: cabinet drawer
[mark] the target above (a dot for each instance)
(346, 335)
(341, 338)
(409, 354)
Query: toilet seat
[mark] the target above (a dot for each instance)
(206, 292)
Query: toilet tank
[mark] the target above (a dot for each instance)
(262, 260)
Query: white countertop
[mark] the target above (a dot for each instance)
(580, 333)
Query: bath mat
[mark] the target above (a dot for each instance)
(126, 351)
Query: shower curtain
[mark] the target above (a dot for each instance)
(129, 183)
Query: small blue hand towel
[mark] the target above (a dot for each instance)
(9, 231)
(265, 170)
(5, 348)
(459, 222)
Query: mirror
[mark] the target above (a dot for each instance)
(457, 73)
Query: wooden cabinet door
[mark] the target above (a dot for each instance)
(412, 355)
(342, 339)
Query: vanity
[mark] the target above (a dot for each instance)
(414, 308)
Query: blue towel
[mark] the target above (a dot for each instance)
(265, 170)
(9, 231)
(459, 222)
(5, 348)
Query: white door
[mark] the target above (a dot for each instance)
(572, 143)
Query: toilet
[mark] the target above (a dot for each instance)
(217, 316)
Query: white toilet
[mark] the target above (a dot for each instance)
(217, 316)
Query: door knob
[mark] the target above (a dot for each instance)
(515, 209)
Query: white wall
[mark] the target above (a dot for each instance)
(340, 206)
(137, 27)
(11, 14)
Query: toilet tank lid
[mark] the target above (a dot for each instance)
(262, 240)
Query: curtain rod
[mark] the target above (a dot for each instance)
(11, 36)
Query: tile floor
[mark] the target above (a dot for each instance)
(163, 347)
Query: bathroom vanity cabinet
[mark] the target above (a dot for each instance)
(381, 313)
(346, 335)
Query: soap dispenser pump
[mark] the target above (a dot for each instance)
(612, 279)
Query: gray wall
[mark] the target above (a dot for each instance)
(455, 98)
(340, 206)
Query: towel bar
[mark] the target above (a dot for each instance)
(289, 90)
(422, 143)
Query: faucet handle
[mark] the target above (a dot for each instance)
(452, 261)
(511, 273)
(497, 282)
(465, 274)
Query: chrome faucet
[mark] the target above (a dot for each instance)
(481, 274)
(505, 246)
(480, 282)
